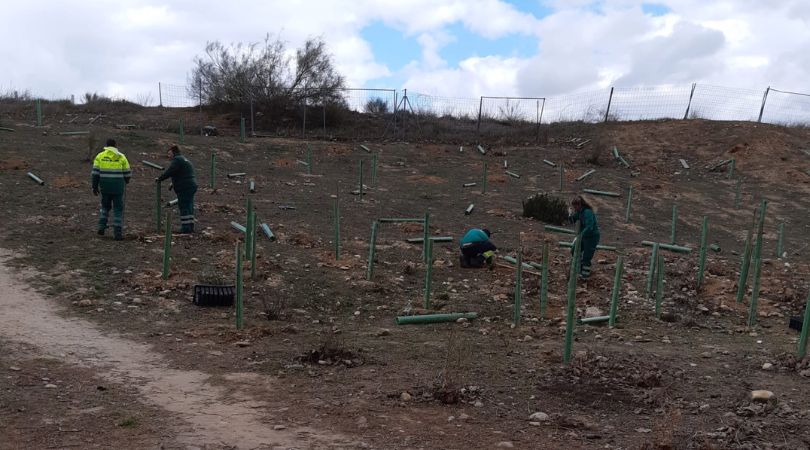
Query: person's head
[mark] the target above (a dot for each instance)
(579, 203)
(110, 142)
(173, 151)
(487, 232)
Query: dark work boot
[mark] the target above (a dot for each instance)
(118, 234)
(100, 231)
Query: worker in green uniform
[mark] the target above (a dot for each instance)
(111, 173)
(477, 249)
(185, 186)
(588, 234)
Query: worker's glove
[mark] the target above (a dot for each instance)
(95, 192)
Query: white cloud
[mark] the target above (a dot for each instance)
(130, 45)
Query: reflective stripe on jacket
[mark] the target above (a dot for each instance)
(111, 171)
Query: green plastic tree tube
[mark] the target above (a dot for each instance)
(374, 169)
(212, 177)
(731, 168)
(336, 224)
(242, 130)
(651, 271)
(36, 179)
(559, 229)
(562, 171)
(401, 219)
(544, 282)
(659, 291)
(617, 286)
(425, 236)
(371, 244)
(805, 327)
(249, 227)
(518, 289)
(152, 165)
(752, 310)
(591, 320)
(704, 235)
(525, 265)
(428, 273)
(586, 174)
(604, 193)
(158, 208)
(182, 132)
(239, 300)
(571, 305)
(435, 318)
(670, 247)
(253, 247)
(629, 203)
(361, 180)
(309, 159)
(432, 238)
(744, 267)
(167, 245)
(39, 113)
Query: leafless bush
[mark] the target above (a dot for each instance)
(376, 105)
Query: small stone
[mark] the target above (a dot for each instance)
(706, 355)
(463, 416)
(50, 386)
(505, 444)
(805, 373)
(534, 424)
(704, 407)
(762, 396)
(593, 311)
(384, 332)
(405, 397)
(85, 303)
(643, 430)
(195, 260)
(478, 404)
(242, 343)
(767, 366)
(539, 417)
(462, 320)
(14, 368)
(280, 427)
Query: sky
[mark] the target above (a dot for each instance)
(453, 48)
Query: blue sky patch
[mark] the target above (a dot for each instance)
(654, 9)
(468, 44)
(391, 46)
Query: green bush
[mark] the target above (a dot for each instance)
(546, 208)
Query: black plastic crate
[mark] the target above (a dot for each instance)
(796, 323)
(214, 295)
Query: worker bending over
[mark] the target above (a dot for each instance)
(588, 234)
(476, 249)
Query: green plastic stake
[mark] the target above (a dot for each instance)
(659, 291)
(586, 174)
(212, 176)
(571, 306)
(253, 247)
(182, 132)
(744, 267)
(604, 193)
(780, 240)
(674, 223)
(158, 207)
(737, 194)
(559, 229)
(39, 113)
(484, 179)
(428, 273)
(561, 176)
(167, 245)
(651, 271)
(731, 168)
(361, 180)
(704, 235)
(371, 245)
(629, 203)
(36, 179)
(242, 130)
(239, 300)
(434, 318)
(544, 282)
(425, 237)
(518, 288)
(617, 286)
(309, 159)
(670, 247)
(250, 226)
(752, 310)
(805, 326)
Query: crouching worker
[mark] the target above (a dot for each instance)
(588, 234)
(477, 250)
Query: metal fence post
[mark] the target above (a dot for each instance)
(252, 124)
(160, 95)
(480, 108)
(689, 104)
(764, 99)
(610, 99)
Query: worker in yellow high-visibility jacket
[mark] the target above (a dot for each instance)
(111, 173)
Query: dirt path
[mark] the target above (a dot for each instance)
(212, 417)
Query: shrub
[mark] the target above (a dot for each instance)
(546, 208)
(376, 106)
